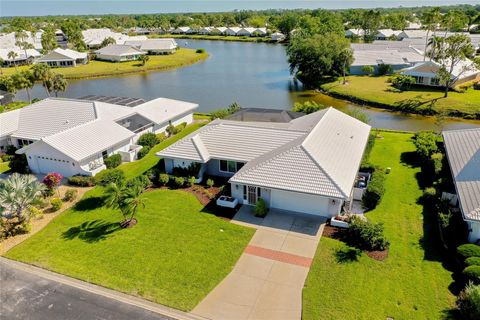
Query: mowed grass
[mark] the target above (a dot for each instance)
(377, 90)
(96, 68)
(411, 283)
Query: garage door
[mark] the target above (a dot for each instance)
(299, 202)
(46, 166)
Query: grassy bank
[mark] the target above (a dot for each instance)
(376, 91)
(412, 282)
(212, 37)
(93, 69)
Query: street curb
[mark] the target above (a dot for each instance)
(109, 293)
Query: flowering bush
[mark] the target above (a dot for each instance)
(52, 180)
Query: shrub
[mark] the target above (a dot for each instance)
(429, 193)
(468, 302)
(191, 181)
(19, 164)
(10, 150)
(307, 107)
(261, 208)
(163, 179)
(200, 50)
(178, 182)
(180, 127)
(81, 181)
(12, 227)
(473, 273)
(472, 261)
(113, 161)
(437, 160)
(375, 190)
(426, 143)
(141, 181)
(384, 69)
(52, 180)
(56, 203)
(223, 113)
(192, 170)
(108, 176)
(143, 152)
(210, 183)
(171, 130)
(148, 140)
(70, 195)
(469, 250)
(161, 136)
(366, 235)
(368, 70)
(402, 82)
(35, 212)
(476, 85)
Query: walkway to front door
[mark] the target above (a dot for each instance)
(267, 281)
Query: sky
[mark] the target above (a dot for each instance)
(75, 7)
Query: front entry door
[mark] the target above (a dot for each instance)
(252, 195)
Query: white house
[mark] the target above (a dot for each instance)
(9, 40)
(218, 30)
(20, 58)
(182, 30)
(351, 33)
(118, 53)
(277, 36)
(155, 46)
(412, 34)
(72, 136)
(425, 73)
(205, 30)
(386, 34)
(93, 38)
(232, 31)
(307, 165)
(64, 58)
(463, 154)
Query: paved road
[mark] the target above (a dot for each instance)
(25, 296)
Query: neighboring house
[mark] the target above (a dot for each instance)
(264, 115)
(205, 30)
(64, 58)
(246, 31)
(21, 58)
(6, 97)
(425, 73)
(375, 55)
(463, 154)
(218, 30)
(155, 46)
(412, 34)
(308, 165)
(386, 34)
(352, 33)
(9, 40)
(232, 31)
(72, 136)
(277, 36)
(118, 53)
(182, 30)
(93, 38)
(414, 26)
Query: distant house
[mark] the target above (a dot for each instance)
(119, 53)
(463, 154)
(218, 30)
(412, 34)
(93, 38)
(64, 58)
(155, 46)
(20, 58)
(277, 36)
(205, 30)
(425, 73)
(232, 31)
(414, 26)
(72, 136)
(307, 165)
(245, 32)
(9, 40)
(375, 55)
(386, 34)
(182, 30)
(352, 33)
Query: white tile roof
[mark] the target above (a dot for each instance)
(60, 54)
(153, 44)
(161, 110)
(119, 50)
(20, 54)
(374, 56)
(463, 153)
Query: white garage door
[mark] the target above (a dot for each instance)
(46, 166)
(299, 202)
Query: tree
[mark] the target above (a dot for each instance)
(126, 199)
(12, 55)
(49, 41)
(107, 41)
(370, 22)
(42, 72)
(286, 24)
(143, 58)
(52, 181)
(57, 83)
(430, 20)
(17, 193)
(454, 20)
(346, 57)
(24, 80)
(315, 57)
(453, 53)
(7, 84)
(308, 107)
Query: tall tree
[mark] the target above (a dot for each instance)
(42, 72)
(24, 80)
(287, 24)
(49, 40)
(107, 41)
(59, 83)
(370, 22)
(25, 46)
(454, 20)
(7, 84)
(430, 20)
(12, 55)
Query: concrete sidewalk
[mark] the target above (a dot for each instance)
(28, 292)
(268, 279)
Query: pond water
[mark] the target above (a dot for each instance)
(251, 74)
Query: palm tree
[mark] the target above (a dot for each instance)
(430, 21)
(17, 193)
(42, 73)
(12, 55)
(107, 41)
(126, 199)
(59, 83)
(24, 80)
(144, 58)
(133, 201)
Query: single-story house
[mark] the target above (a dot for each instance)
(414, 26)
(352, 33)
(205, 30)
(376, 55)
(307, 165)
(20, 58)
(93, 38)
(277, 36)
(64, 58)
(118, 53)
(218, 30)
(412, 34)
(386, 34)
(463, 154)
(155, 46)
(232, 31)
(73, 136)
(425, 73)
(182, 30)
(9, 40)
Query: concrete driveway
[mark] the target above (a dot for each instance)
(267, 281)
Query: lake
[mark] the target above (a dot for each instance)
(251, 74)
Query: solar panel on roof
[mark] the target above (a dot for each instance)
(123, 101)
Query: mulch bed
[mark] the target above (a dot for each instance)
(339, 234)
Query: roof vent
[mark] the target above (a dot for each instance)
(67, 122)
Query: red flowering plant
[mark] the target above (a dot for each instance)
(52, 180)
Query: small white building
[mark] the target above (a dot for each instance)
(412, 34)
(232, 31)
(218, 30)
(386, 34)
(205, 30)
(308, 165)
(73, 137)
(182, 30)
(119, 53)
(463, 152)
(277, 36)
(353, 33)
(155, 46)
(64, 58)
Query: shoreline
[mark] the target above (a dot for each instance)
(216, 38)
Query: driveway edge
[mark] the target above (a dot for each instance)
(109, 293)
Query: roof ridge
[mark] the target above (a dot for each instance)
(251, 124)
(197, 140)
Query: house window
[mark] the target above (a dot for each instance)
(244, 192)
(230, 166)
(104, 154)
(435, 81)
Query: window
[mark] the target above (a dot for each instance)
(435, 81)
(104, 154)
(244, 192)
(230, 166)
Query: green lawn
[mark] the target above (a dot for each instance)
(4, 167)
(411, 283)
(95, 68)
(377, 90)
